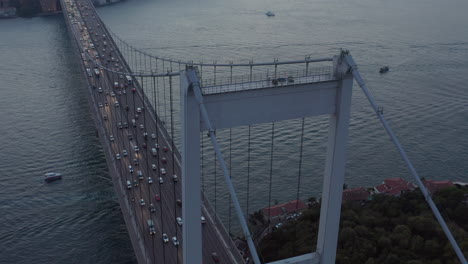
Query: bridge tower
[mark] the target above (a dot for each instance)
(205, 110)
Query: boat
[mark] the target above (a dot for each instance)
(270, 14)
(384, 69)
(52, 176)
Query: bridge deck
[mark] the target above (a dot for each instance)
(86, 29)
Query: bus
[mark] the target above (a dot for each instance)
(129, 79)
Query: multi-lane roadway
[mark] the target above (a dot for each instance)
(140, 147)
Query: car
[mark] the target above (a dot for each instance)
(124, 153)
(142, 202)
(166, 149)
(203, 220)
(152, 230)
(175, 178)
(157, 197)
(119, 93)
(145, 146)
(125, 125)
(154, 152)
(152, 208)
(215, 257)
(133, 123)
(163, 171)
(278, 225)
(179, 202)
(163, 160)
(136, 116)
(138, 110)
(130, 136)
(100, 105)
(130, 168)
(116, 104)
(117, 156)
(116, 84)
(175, 241)
(113, 94)
(133, 90)
(136, 162)
(156, 146)
(165, 238)
(111, 138)
(153, 136)
(161, 181)
(129, 185)
(153, 166)
(145, 134)
(100, 90)
(179, 221)
(136, 148)
(150, 180)
(140, 175)
(141, 126)
(120, 125)
(135, 183)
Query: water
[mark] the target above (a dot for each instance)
(46, 124)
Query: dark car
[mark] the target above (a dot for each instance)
(215, 257)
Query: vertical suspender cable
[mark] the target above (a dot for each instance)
(300, 163)
(271, 172)
(202, 163)
(248, 175)
(215, 189)
(230, 176)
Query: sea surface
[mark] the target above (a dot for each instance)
(46, 123)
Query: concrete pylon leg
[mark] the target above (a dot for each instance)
(334, 174)
(191, 192)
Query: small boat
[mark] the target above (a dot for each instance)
(270, 14)
(384, 69)
(52, 176)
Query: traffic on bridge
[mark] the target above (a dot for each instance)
(145, 156)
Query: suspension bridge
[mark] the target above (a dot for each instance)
(146, 108)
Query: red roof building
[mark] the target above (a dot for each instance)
(435, 186)
(394, 186)
(355, 194)
(284, 208)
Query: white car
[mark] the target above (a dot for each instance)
(117, 156)
(153, 166)
(179, 221)
(203, 220)
(175, 241)
(150, 180)
(153, 136)
(163, 171)
(175, 178)
(165, 238)
(111, 138)
(113, 94)
(138, 110)
(141, 126)
(124, 152)
(142, 202)
(130, 168)
(161, 181)
(136, 148)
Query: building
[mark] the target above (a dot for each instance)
(284, 208)
(435, 186)
(394, 187)
(356, 194)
